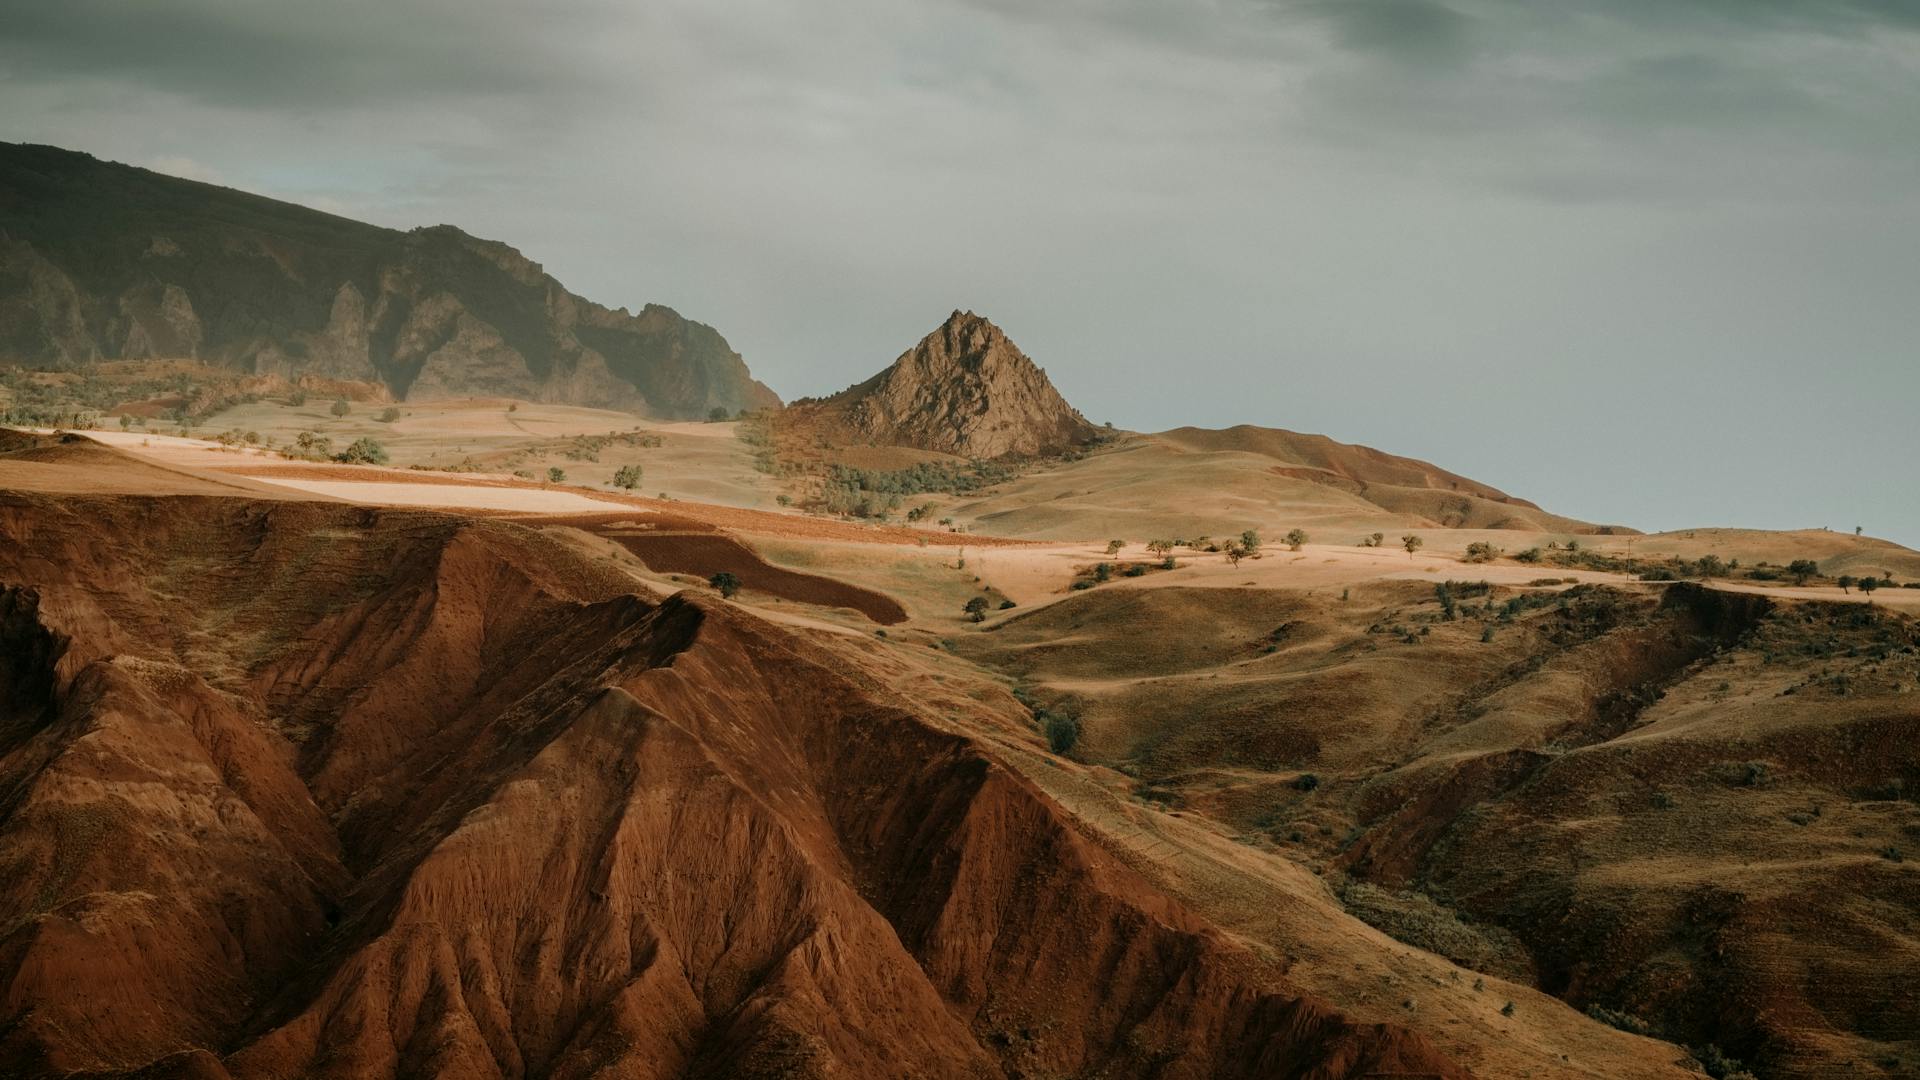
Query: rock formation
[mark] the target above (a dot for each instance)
(965, 389)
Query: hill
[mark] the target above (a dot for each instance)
(114, 262)
(965, 390)
(1192, 481)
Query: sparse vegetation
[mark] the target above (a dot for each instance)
(1295, 539)
(627, 476)
(340, 407)
(726, 583)
(363, 451)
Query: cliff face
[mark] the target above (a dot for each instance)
(964, 389)
(100, 261)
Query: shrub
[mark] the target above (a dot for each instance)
(1480, 551)
(1802, 569)
(1531, 555)
(1114, 546)
(340, 407)
(716, 415)
(1005, 604)
(627, 476)
(726, 582)
(976, 608)
(363, 451)
(1295, 538)
(1103, 572)
(1306, 782)
(1625, 1021)
(1062, 730)
(1250, 541)
(556, 475)
(388, 415)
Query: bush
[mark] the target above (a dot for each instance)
(726, 582)
(388, 415)
(1306, 782)
(716, 415)
(1295, 538)
(627, 476)
(556, 475)
(340, 407)
(1480, 551)
(363, 451)
(1061, 729)
(1625, 1021)
(976, 608)
(1005, 604)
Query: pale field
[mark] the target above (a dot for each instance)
(702, 457)
(696, 461)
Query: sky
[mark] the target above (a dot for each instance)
(1652, 262)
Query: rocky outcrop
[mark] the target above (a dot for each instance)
(100, 261)
(965, 389)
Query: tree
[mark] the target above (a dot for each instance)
(1062, 730)
(627, 476)
(1376, 539)
(976, 608)
(340, 407)
(716, 415)
(1114, 546)
(1160, 547)
(1867, 585)
(125, 421)
(726, 583)
(1802, 569)
(1846, 582)
(1412, 543)
(363, 451)
(556, 475)
(1856, 530)
(1295, 538)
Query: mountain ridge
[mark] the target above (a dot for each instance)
(110, 261)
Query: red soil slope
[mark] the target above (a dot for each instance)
(329, 791)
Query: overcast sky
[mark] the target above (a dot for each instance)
(1647, 261)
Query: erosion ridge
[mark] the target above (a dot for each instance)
(337, 791)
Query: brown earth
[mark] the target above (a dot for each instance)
(670, 545)
(308, 789)
(1688, 810)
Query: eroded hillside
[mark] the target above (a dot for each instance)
(307, 789)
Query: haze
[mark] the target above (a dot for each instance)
(1650, 263)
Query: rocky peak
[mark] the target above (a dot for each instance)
(965, 389)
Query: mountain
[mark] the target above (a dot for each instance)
(965, 389)
(101, 261)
